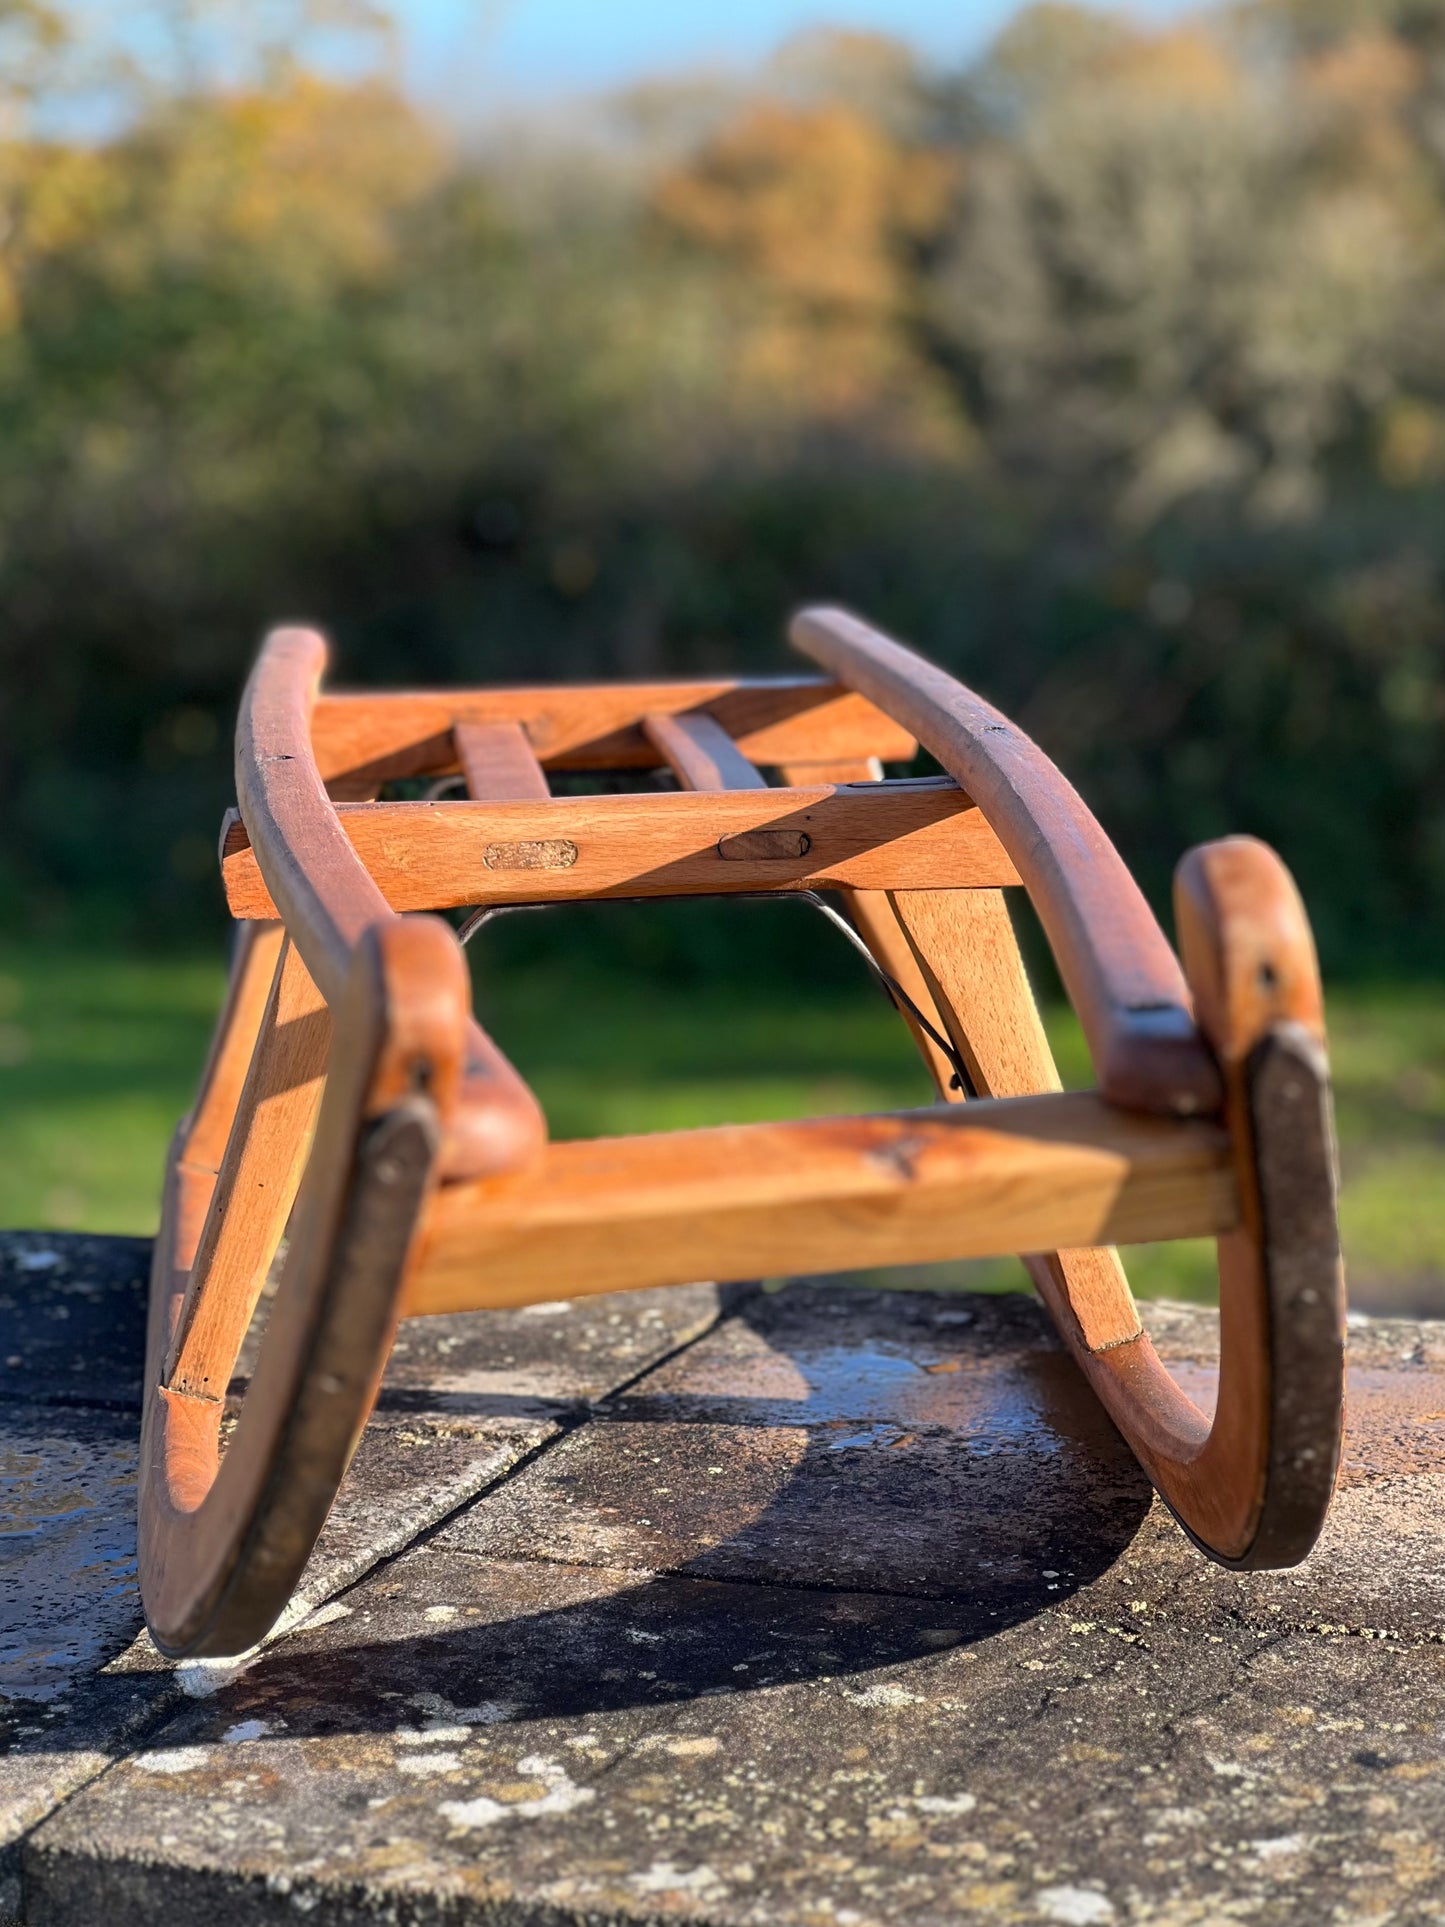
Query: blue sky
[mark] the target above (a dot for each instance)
(541, 48)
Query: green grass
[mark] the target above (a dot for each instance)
(98, 1057)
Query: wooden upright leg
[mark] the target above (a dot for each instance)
(264, 1158)
(877, 924)
(253, 969)
(966, 949)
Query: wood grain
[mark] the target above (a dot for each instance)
(874, 919)
(1274, 1449)
(1252, 1488)
(223, 1540)
(700, 753)
(821, 1194)
(314, 881)
(497, 761)
(256, 1186)
(441, 855)
(257, 947)
(969, 956)
(1121, 976)
(366, 739)
(374, 1232)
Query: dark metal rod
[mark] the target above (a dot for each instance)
(960, 1081)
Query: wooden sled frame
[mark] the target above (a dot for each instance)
(352, 1104)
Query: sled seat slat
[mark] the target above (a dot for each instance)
(701, 754)
(498, 762)
(822, 1194)
(363, 740)
(329, 902)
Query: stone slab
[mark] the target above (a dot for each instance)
(532, 1742)
(848, 1611)
(508, 1363)
(79, 1680)
(950, 1450)
(72, 1318)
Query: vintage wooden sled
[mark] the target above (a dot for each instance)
(352, 1104)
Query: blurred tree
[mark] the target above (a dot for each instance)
(1156, 289)
(824, 217)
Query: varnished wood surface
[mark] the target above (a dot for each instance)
(256, 948)
(969, 955)
(368, 738)
(326, 898)
(497, 760)
(1253, 1487)
(400, 1209)
(448, 854)
(223, 1541)
(256, 1185)
(873, 917)
(821, 1194)
(1121, 976)
(701, 754)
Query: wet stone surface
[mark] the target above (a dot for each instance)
(823, 1607)
(462, 1404)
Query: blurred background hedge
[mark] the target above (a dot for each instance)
(1109, 371)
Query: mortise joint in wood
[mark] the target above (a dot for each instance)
(764, 846)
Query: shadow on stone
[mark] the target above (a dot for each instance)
(829, 1483)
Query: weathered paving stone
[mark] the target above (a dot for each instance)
(68, 1605)
(1378, 1571)
(410, 1470)
(72, 1318)
(537, 1742)
(852, 1611)
(463, 1402)
(945, 1454)
(568, 1353)
(826, 1351)
(67, 1585)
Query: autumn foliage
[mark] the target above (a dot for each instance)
(1109, 369)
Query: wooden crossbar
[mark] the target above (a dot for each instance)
(819, 1194)
(363, 740)
(918, 834)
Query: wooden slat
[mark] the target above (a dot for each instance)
(370, 738)
(262, 1167)
(701, 754)
(822, 1194)
(328, 902)
(965, 944)
(922, 834)
(253, 971)
(1122, 978)
(874, 919)
(498, 762)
